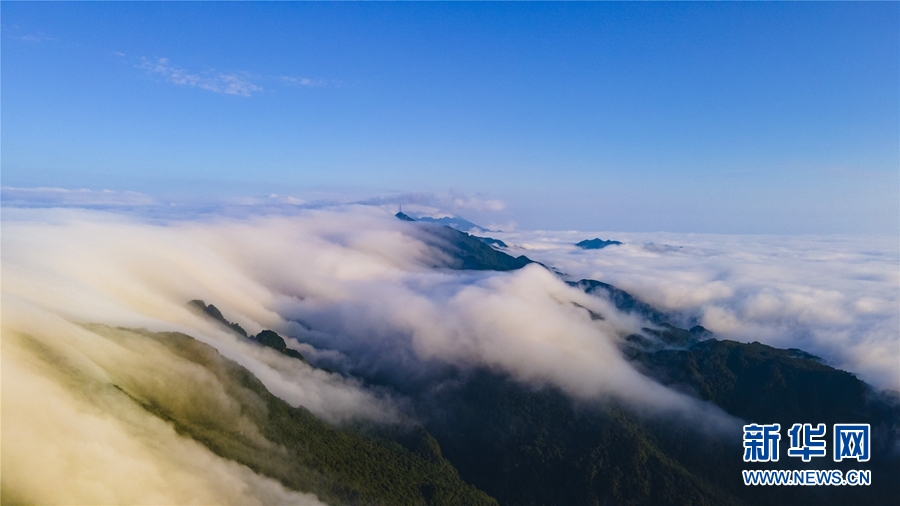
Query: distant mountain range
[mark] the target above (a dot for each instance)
(477, 436)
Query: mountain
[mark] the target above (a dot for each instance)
(467, 252)
(471, 253)
(765, 384)
(268, 338)
(492, 242)
(214, 313)
(475, 435)
(536, 446)
(596, 243)
(623, 301)
(526, 445)
(353, 465)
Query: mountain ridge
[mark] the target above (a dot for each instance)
(535, 445)
(467, 252)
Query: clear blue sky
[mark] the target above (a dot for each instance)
(705, 117)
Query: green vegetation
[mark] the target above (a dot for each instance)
(267, 337)
(468, 252)
(271, 339)
(360, 465)
(490, 241)
(763, 384)
(623, 301)
(535, 447)
(214, 313)
(528, 445)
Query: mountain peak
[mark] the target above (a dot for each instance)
(596, 243)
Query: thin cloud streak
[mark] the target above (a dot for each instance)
(53, 197)
(437, 204)
(216, 82)
(304, 81)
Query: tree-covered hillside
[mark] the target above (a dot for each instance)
(360, 465)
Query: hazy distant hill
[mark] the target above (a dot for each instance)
(461, 224)
(467, 252)
(596, 243)
(624, 301)
(490, 241)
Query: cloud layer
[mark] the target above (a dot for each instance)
(355, 275)
(71, 438)
(83, 197)
(354, 287)
(835, 296)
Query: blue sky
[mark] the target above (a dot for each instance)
(683, 117)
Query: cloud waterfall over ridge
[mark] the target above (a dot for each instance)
(71, 437)
(356, 274)
(353, 281)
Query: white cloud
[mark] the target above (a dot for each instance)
(70, 437)
(49, 196)
(286, 199)
(211, 80)
(356, 274)
(27, 37)
(105, 268)
(833, 296)
(304, 81)
(450, 203)
(464, 201)
(361, 279)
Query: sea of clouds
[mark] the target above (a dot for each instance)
(352, 284)
(353, 279)
(837, 297)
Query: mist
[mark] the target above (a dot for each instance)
(835, 296)
(70, 437)
(350, 287)
(355, 275)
